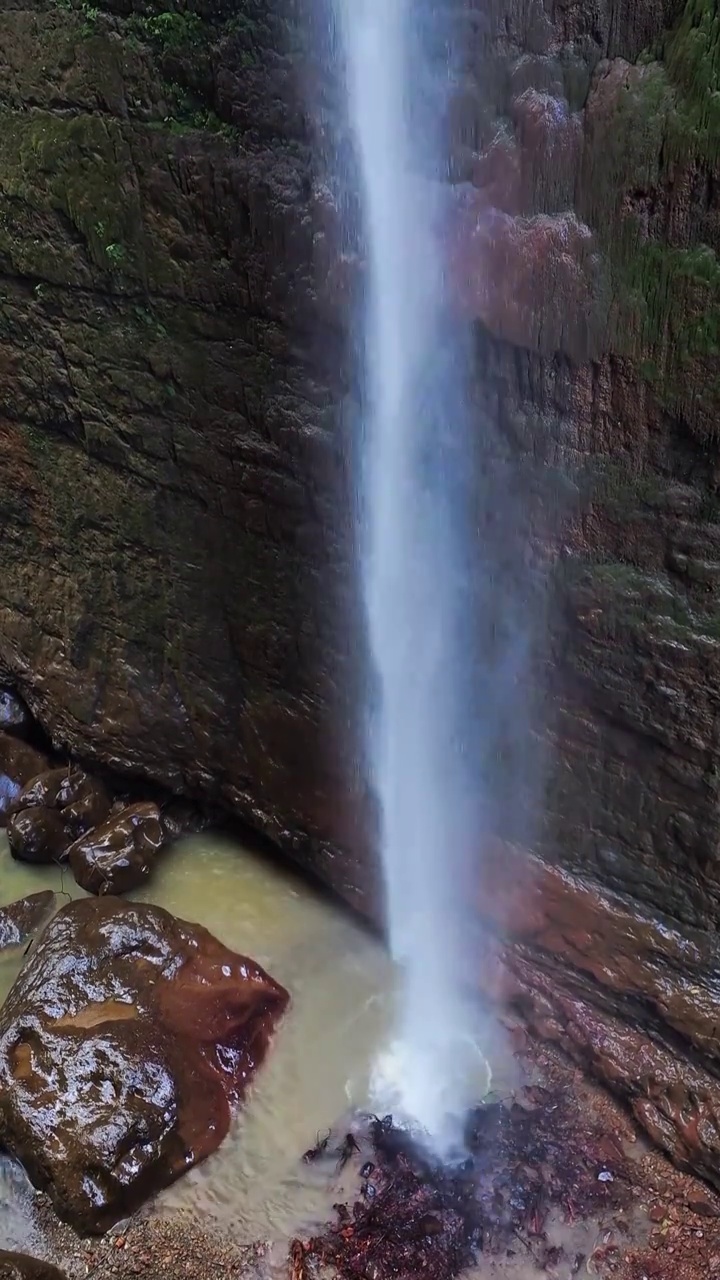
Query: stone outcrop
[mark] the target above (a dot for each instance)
(176, 597)
(628, 993)
(124, 1043)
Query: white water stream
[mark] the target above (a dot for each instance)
(414, 540)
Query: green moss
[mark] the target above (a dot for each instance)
(625, 599)
(171, 32)
(79, 166)
(190, 114)
(673, 297)
(691, 54)
(620, 489)
(666, 311)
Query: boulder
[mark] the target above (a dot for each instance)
(124, 1043)
(118, 855)
(37, 835)
(19, 762)
(87, 804)
(55, 808)
(18, 1266)
(83, 800)
(21, 919)
(14, 715)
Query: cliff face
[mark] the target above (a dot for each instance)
(176, 598)
(170, 465)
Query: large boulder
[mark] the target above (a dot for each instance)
(124, 1043)
(120, 854)
(18, 1266)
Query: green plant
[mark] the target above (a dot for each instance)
(170, 32)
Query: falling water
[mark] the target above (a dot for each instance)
(415, 461)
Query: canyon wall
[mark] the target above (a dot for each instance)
(176, 596)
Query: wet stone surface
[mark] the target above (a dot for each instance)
(52, 810)
(19, 762)
(18, 1266)
(20, 919)
(14, 715)
(119, 855)
(124, 1043)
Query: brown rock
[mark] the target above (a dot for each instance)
(124, 1043)
(18, 1266)
(54, 809)
(120, 854)
(14, 715)
(19, 762)
(44, 790)
(83, 801)
(704, 1205)
(37, 835)
(572, 955)
(22, 918)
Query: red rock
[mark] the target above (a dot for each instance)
(124, 1043)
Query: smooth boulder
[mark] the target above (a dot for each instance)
(52, 811)
(124, 1043)
(19, 1266)
(19, 762)
(120, 854)
(37, 836)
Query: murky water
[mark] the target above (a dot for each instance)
(318, 1071)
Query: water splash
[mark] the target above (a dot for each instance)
(415, 560)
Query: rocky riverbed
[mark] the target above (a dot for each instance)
(593, 1200)
(560, 1182)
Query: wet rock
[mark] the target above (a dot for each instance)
(180, 817)
(14, 715)
(37, 835)
(577, 961)
(83, 800)
(22, 918)
(120, 854)
(43, 791)
(19, 762)
(18, 1266)
(53, 810)
(124, 1043)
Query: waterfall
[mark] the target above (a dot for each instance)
(415, 525)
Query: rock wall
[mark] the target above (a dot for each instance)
(172, 561)
(176, 593)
